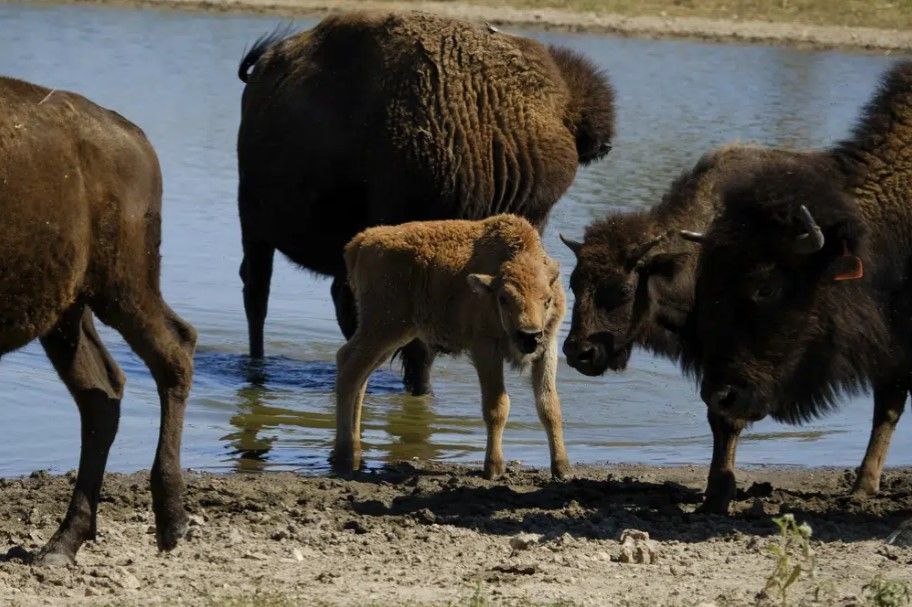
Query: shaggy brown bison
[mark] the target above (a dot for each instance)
(633, 285)
(375, 119)
(80, 198)
(483, 287)
(802, 287)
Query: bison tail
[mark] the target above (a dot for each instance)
(260, 46)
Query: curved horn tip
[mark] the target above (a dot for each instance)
(813, 240)
(573, 245)
(698, 237)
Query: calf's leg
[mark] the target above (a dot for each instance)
(495, 407)
(256, 274)
(355, 361)
(96, 383)
(889, 402)
(547, 402)
(165, 343)
(721, 486)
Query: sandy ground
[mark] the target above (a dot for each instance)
(433, 534)
(819, 36)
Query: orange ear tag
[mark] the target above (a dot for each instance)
(853, 263)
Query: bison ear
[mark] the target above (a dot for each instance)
(481, 283)
(573, 245)
(847, 266)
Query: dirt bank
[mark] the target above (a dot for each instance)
(431, 534)
(818, 36)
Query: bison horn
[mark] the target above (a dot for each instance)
(698, 237)
(573, 245)
(812, 240)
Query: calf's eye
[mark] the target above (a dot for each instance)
(548, 302)
(765, 292)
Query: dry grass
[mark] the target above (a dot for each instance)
(893, 14)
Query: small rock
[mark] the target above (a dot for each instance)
(524, 541)
(636, 547)
(297, 554)
(195, 520)
(527, 569)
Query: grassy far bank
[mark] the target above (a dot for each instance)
(887, 14)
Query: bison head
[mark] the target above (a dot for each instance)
(590, 112)
(626, 288)
(785, 318)
(529, 302)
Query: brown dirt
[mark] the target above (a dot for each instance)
(648, 25)
(434, 534)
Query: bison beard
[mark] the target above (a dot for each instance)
(373, 119)
(802, 292)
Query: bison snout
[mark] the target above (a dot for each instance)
(587, 357)
(528, 341)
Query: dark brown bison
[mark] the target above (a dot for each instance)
(633, 285)
(802, 288)
(80, 198)
(375, 119)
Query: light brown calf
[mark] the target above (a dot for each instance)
(482, 287)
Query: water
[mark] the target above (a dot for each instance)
(173, 74)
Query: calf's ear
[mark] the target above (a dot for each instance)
(553, 269)
(481, 283)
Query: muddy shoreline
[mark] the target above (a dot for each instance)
(656, 26)
(422, 533)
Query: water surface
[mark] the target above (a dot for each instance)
(173, 73)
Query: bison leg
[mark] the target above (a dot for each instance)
(346, 308)
(720, 486)
(495, 406)
(165, 343)
(96, 383)
(889, 402)
(256, 274)
(417, 359)
(547, 402)
(355, 361)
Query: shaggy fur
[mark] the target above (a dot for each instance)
(774, 332)
(633, 285)
(482, 287)
(376, 118)
(80, 198)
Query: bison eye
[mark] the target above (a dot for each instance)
(765, 293)
(502, 299)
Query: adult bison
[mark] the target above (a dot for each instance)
(633, 285)
(802, 287)
(80, 198)
(375, 119)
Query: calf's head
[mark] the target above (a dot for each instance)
(527, 294)
(784, 317)
(624, 290)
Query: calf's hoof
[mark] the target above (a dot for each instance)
(170, 529)
(714, 505)
(494, 470)
(345, 461)
(865, 487)
(560, 469)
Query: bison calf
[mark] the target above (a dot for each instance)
(483, 287)
(80, 198)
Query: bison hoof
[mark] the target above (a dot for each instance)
(419, 388)
(494, 470)
(167, 534)
(54, 559)
(560, 469)
(713, 505)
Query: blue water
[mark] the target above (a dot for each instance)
(173, 73)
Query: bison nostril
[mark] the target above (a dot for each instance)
(586, 355)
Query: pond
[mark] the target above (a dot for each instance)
(174, 74)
